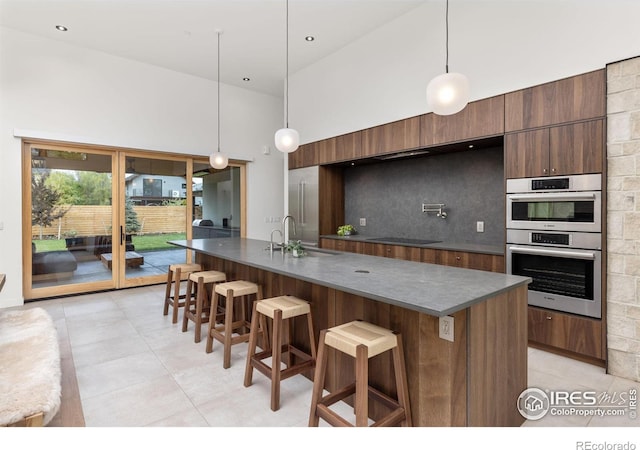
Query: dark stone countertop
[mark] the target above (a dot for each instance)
(428, 288)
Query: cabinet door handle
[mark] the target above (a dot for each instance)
(549, 317)
(544, 170)
(457, 258)
(553, 170)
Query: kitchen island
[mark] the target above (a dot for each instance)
(473, 380)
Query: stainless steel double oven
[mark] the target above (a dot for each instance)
(554, 236)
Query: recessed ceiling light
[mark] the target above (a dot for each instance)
(61, 28)
(246, 79)
(309, 38)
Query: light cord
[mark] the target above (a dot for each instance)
(446, 20)
(218, 92)
(286, 99)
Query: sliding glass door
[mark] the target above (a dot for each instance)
(68, 219)
(154, 209)
(97, 219)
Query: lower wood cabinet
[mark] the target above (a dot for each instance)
(567, 332)
(465, 260)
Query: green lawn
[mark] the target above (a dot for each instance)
(146, 242)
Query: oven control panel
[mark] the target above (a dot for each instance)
(551, 238)
(549, 184)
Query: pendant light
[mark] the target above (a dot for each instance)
(287, 139)
(448, 93)
(218, 160)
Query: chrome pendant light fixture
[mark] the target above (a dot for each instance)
(287, 139)
(218, 160)
(448, 93)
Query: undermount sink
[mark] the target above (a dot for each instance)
(397, 240)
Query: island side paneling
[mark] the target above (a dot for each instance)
(460, 383)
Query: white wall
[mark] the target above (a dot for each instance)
(62, 90)
(500, 46)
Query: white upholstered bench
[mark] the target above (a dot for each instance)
(30, 377)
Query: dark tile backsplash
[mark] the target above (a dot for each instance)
(390, 196)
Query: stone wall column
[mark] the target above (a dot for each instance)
(623, 217)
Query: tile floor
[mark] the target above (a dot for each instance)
(136, 369)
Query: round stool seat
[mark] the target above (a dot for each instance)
(347, 337)
(289, 305)
(239, 288)
(208, 276)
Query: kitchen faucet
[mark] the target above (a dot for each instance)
(271, 243)
(284, 221)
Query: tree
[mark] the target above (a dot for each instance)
(66, 184)
(44, 202)
(132, 225)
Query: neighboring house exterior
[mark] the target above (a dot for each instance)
(150, 190)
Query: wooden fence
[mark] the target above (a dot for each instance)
(89, 220)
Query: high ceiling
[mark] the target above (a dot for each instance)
(180, 35)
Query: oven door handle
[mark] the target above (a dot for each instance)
(577, 254)
(555, 196)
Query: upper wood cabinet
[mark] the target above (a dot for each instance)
(391, 137)
(563, 150)
(305, 156)
(326, 150)
(526, 154)
(349, 146)
(482, 118)
(571, 99)
(577, 148)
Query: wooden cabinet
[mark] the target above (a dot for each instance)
(526, 154)
(575, 148)
(391, 137)
(571, 99)
(330, 199)
(576, 334)
(465, 260)
(341, 245)
(349, 146)
(326, 150)
(305, 156)
(482, 118)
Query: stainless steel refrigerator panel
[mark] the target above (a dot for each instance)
(304, 204)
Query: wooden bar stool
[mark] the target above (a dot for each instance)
(360, 340)
(279, 309)
(196, 306)
(176, 274)
(232, 291)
